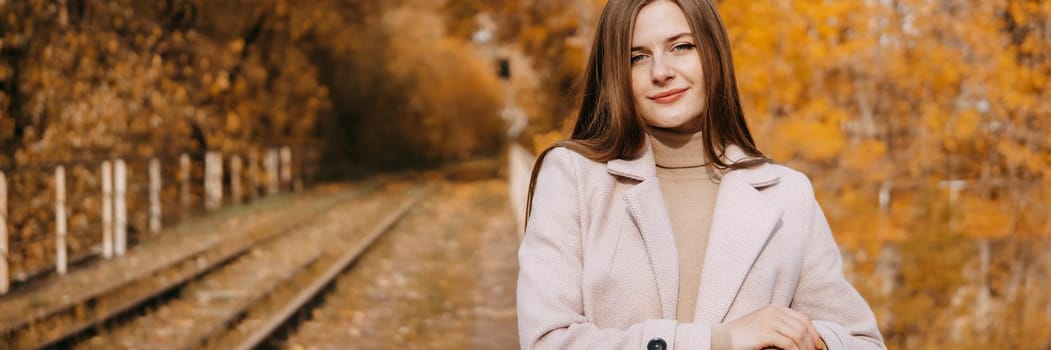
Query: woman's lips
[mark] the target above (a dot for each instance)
(669, 96)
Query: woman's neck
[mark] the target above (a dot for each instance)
(676, 150)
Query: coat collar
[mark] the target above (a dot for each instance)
(644, 167)
(741, 225)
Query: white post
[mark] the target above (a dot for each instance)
(155, 195)
(297, 180)
(60, 220)
(982, 307)
(286, 167)
(884, 196)
(213, 180)
(207, 181)
(886, 266)
(184, 179)
(271, 171)
(120, 208)
(253, 174)
(235, 178)
(520, 165)
(5, 281)
(107, 209)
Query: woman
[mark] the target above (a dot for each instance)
(660, 225)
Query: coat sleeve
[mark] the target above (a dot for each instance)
(550, 298)
(838, 312)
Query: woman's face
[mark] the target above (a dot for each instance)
(667, 79)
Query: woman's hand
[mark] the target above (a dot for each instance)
(774, 326)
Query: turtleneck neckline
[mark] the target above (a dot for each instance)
(675, 150)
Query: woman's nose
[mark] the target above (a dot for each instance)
(661, 71)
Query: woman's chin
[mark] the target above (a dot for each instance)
(676, 124)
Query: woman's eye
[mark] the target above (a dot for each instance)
(637, 58)
(683, 47)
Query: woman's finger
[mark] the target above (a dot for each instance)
(818, 343)
(803, 319)
(784, 342)
(796, 333)
(797, 315)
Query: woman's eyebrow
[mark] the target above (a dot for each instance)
(668, 40)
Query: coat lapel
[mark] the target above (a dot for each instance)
(646, 205)
(741, 226)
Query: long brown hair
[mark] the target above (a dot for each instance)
(608, 126)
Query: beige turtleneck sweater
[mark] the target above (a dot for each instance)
(689, 186)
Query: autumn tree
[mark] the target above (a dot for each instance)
(928, 118)
(82, 81)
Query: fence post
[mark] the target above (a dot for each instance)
(120, 207)
(213, 180)
(520, 163)
(235, 179)
(107, 209)
(60, 220)
(155, 195)
(271, 171)
(298, 170)
(208, 169)
(253, 174)
(286, 167)
(5, 281)
(982, 307)
(184, 179)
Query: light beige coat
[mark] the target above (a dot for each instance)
(599, 269)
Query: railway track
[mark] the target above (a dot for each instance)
(442, 278)
(233, 293)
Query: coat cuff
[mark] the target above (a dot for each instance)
(721, 339)
(830, 332)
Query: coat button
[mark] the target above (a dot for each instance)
(657, 344)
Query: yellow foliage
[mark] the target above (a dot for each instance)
(966, 124)
(233, 123)
(814, 140)
(863, 155)
(984, 218)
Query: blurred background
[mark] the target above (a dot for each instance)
(925, 125)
